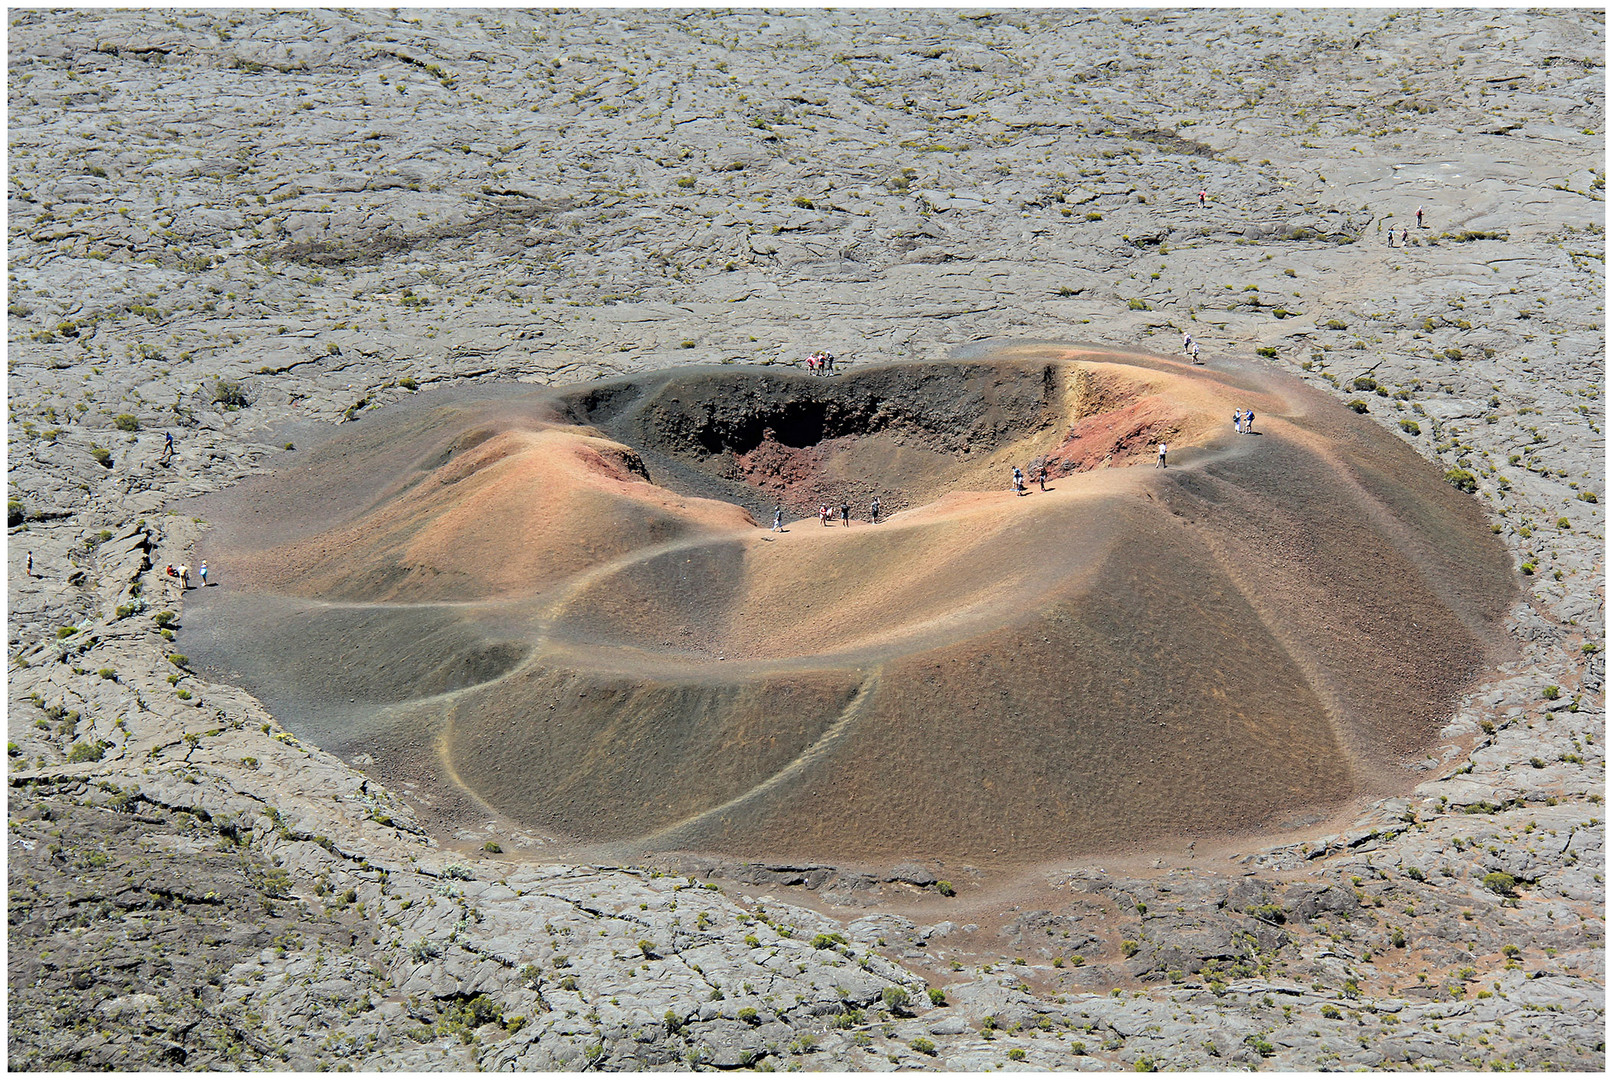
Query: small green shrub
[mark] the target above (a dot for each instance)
(127, 422)
(492, 847)
(1365, 382)
(83, 752)
(937, 996)
(945, 888)
(1411, 427)
(229, 394)
(179, 660)
(1357, 404)
(1552, 693)
(748, 1015)
(102, 455)
(1016, 1054)
(16, 513)
(894, 997)
(1129, 948)
(1462, 480)
(1587, 496)
(405, 382)
(1330, 1012)
(1136, 304)
(828, 941)
(1501, 883)
(1336, 324)
(803, 202)
(923, 1046)
(1268, 351)
(65, 632)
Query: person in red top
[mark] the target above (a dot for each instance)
(1203, 195)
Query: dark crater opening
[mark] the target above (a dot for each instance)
(761, 439)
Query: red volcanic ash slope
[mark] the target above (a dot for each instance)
(567, 590)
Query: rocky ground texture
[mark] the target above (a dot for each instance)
(246, 228)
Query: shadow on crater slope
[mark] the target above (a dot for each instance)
(566, 597)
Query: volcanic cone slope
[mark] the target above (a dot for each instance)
(566, 596)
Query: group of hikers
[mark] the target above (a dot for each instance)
(1190, 347)
(182, 573)
(1243, 421)
(1019, 479)
(827, 514)
(821, 363)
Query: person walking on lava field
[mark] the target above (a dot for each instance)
(1419, 217)
(1162, 449)
(1195, 351)
(1249, 422)
(167, 447)
(778, 519)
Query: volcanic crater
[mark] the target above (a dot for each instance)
(566, 605)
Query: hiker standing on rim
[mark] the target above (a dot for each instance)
(873, 511)
(1162, 449)
(845, 514)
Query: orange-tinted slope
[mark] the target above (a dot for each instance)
(1267, 628)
